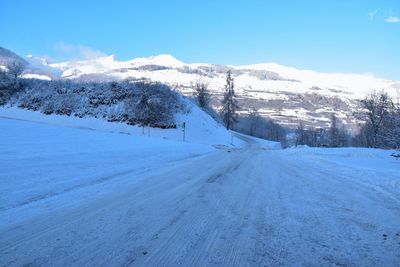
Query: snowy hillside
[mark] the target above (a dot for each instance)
(285, 94)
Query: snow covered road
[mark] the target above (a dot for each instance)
(170, 204)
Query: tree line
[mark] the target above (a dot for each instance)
(336, 135)
(379, 128)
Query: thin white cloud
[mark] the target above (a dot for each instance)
(392, 19)
(372, 14)
(76, 51)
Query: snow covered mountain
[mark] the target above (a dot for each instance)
(270, 76)
(287, 95)
(284, 94)
(170, 69)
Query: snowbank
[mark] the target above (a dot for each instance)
(200, 127)
(374, 168)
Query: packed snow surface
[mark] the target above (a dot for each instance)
(74, 196)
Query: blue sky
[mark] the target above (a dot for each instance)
(361, 36)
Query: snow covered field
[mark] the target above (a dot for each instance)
(78, 196)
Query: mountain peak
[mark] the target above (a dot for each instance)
(162, 60)
(165, 57)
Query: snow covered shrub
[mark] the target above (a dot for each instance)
(9, 85)
(154, 104)
(133, 102)
(118, 112)
(5, 82)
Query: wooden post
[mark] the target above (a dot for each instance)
(184, 131)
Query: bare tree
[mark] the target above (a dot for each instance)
(202, 94)
(301, 135)
(229, 103)
(334, 135)
(382, 122)
(254, 118)
(377, 106)
(313, 139)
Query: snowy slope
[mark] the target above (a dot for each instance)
(81, 197)
(38, 68)
(276, 90)
(68, 142)
(200, 127)
(353, 85)
(108, 64)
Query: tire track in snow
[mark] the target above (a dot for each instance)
(191, 226)
(205, 232)
(249, 208)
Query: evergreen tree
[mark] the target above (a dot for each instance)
(229, 103)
